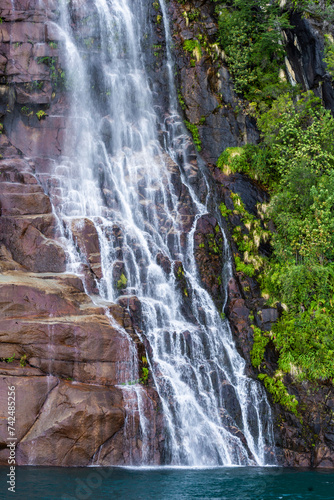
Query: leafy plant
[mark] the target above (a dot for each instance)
(181, 100)
(194, 14)
(195, 133)
(23, 361)
(259, 347)
(144, 375)
(194, 47)
(57, 74)
(122, 282)
(250, 35)
(26, 111)
(279, 392)
(41, 114)
(296, 161)
(224, 210)
(329, 54)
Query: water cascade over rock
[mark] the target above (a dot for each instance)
(129, 206)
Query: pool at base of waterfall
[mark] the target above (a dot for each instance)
(160, 483)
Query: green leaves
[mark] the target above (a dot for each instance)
(259, 347)
(250, 34)
(279, 392)
(296, 159)
(195, 133)
(122, 282)
(329, 54)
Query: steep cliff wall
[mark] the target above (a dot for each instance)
(208, 100)
(69, 356)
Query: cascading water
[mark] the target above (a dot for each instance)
(117, 174)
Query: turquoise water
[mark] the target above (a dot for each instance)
(241, 483)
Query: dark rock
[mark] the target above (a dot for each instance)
(209, 254)
(164, 262)
(305, 50)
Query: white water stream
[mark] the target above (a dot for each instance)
(117, 174)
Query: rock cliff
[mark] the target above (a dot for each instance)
(69, 354)
(208, 99)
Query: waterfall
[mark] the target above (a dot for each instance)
(123, 146)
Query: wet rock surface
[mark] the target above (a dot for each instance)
(208, 100)
(305, 52)
(205, 88)
(71, 355)
(209, 249)
(300, 442)
(70, 411)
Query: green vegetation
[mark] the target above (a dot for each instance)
(144, 371)
(144, 374)
(122, 282)
(295, 163)
(329, 54)
(194, 47)
(58, 77)
(279, 392)
(179, 272)
(321, 10)
(213, 246)
(181, 100)
(27, 111)
(194, 132)
(157, 49)
(9, 360)
(23, 361)
(194, 14)
(250, 35)
(249, 159)
(248, 236)
(41, 114)
(259, 347)
(35, 85)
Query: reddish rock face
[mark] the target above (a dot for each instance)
(26, 221)
(69, 408)
(74, 359)
(87, 241)
(76, 420)
(73, 356)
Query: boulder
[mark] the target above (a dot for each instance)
(75, 421)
